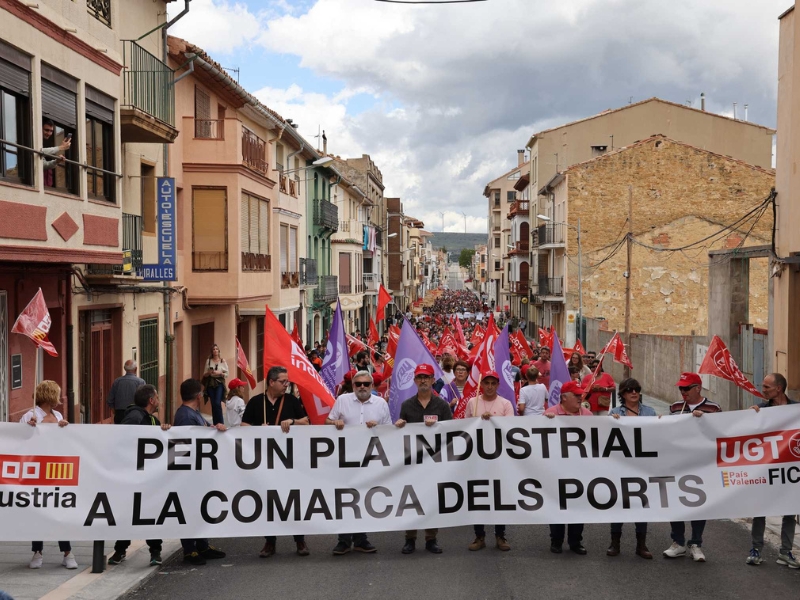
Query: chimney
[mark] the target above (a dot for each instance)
(324, 144)
(702, 101)
(520, 157)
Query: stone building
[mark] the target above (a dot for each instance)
(679, 194)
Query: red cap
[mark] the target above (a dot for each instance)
(235, 383)
(689, 379)
(377, 379)
(524, 369)
(424, 369)
(491, 374)
(349, 375)
(572, 387)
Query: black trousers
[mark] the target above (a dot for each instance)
(122, 546)
(119, 413)
(574, 533)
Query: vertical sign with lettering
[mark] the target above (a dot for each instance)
(165, 269)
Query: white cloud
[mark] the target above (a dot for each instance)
(216, 25)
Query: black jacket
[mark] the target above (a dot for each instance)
(136, 415)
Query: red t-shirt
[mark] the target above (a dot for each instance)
(544, 372)
(605, 380)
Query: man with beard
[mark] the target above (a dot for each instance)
(358, 408)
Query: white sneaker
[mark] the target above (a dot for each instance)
(36, 561)
(696, 553)
(675, 551)
(69, 562)
(789, 560)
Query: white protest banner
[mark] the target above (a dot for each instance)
(94, 482)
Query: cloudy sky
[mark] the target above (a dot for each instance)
(442, 96)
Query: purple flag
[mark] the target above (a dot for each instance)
(502, 364)
(411, 351)
(559, 372)
(336, 363)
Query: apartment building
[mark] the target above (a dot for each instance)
(81, 227)
(395, 245)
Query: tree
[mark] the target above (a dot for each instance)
(465, 258)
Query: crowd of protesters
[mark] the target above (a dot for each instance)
(359, 403)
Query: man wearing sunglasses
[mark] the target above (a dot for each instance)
(276, 407)
(358, 408)
(690, 386)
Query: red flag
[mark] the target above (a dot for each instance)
(354, 345)
(281, 350)
(484, 362)
(460, 338)
(521, 344)
(391, 350)
(241, 362)
(35, 322)
(296, 335)
(579, 348)
(719, 362)
(477, 335)
(616, 348)
(373, 337)
(545, 339)
(384, 298)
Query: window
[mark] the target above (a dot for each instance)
(16, 164)
(148, 348)
(293, 249)
(100, 144)
(60, 105)
(255, 225)
(345, 275)
(497, 241)
(259, 348)
(497, 265)
(511, 196)
(202, 115)
(209, 229)
(284, 248)
(147, 181)
(497, 198)
(514, 176)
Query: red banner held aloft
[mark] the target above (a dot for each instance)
(373, 337)
(719, 362)
(241, 362)
(616, 348)
(281, 350)
(384, 298)
(35, 322)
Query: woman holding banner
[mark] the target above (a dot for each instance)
(630, 391)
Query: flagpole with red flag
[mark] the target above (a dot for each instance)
(384, 298)
(34, 322)
(719, 362)
(241, 362)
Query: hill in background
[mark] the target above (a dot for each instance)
(455, 242)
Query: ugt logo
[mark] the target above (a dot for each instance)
(39, 470)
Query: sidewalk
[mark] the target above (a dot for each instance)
(54, 582)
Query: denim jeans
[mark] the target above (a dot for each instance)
(787, 533)
(39, 546)
(678, 534)
(271, 539)
(640, 527)
(499, 531)
(215, 395)
(574, 533)
(194, 545)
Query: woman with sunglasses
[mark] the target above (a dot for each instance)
(630, 392)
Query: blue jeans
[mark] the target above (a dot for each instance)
(215, 395)
(678, 533)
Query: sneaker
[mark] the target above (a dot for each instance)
(69, 562)
(194, 558)
(155, 559)
(696, 553)
(116, 558)
(212, 553)
(675, 551)
(36, 561)
(478, 544)
(754, 558)
(341, 548)
(788, 559)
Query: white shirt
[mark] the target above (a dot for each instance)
(234, 409)
(534, 397)
(40, 414)
(352, 411)
(448, 377)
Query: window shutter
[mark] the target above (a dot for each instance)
(254, 202)
(293, 250)
(14, 79)
(209, 220)
(263, 227)
(244, 232)
(59, 104)
(99, 105)
(284, 243)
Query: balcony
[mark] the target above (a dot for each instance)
(372, 282)
(131, 255)
(256, 262)
(345, 288)
(550, 286)
(209, 129)
(290, 279)
(308, 272)
(519, 208)
(326, 215)
(147, 110)
(209, 261)
(100, 10)
(351, 231)
(521, 247)
(550, 235)
(519, 287)
(254, 152)
(328, 289)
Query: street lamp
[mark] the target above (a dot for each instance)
(320, 162)
(580, 268)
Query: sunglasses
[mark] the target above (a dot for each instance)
(362, 383)
(686, 388)
(637, 390)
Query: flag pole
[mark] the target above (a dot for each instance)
(35, 377)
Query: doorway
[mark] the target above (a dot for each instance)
(100, 361)
(202, 340)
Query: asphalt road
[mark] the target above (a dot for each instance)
(529, 570)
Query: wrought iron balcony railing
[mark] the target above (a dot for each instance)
(326, 214)
(254, 152)
(550, 286)
(308, 272)
(328, 289)
(209, 129)
(549, 234)
(100, 10)
(148, 82)
(131, 250)
(256, 262)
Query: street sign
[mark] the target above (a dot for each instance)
(167, 255)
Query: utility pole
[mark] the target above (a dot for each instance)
(629, 241)
(580, 285)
